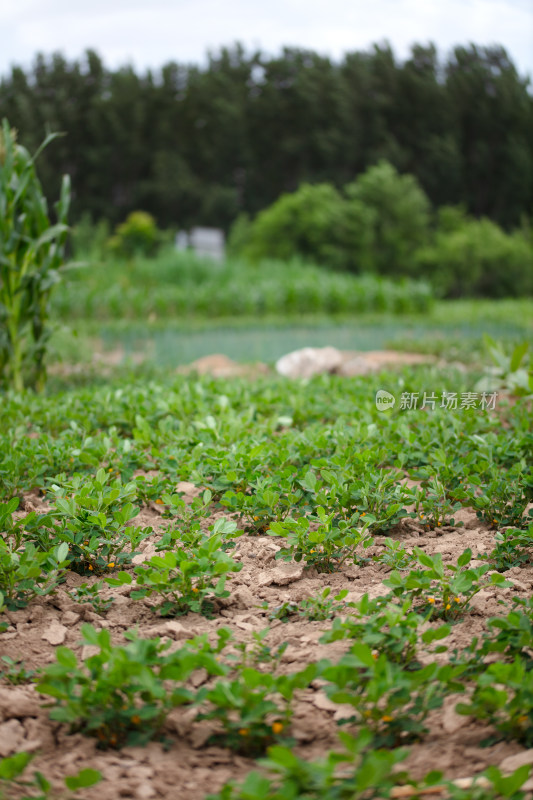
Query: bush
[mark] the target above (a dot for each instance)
(477, 258)
(304, 223)
(376, 227)
(400, 216)
(138, 235)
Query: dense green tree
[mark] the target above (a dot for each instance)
(400, 218)
(493, 124)
(195, 145)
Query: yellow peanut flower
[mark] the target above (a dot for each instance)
(386, 718)
(277, 727)
(431, 600)
(243, 731)
(448, 606)
(136, 719)
(111, 564)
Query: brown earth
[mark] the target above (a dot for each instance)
(190, 768)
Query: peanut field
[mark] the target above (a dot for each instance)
(245, 589)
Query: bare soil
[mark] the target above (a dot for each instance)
(190, 768)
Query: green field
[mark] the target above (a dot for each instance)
(198, 573)
(221, 471)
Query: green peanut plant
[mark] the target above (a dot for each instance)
(121, 695)
(13, 780)
(31, 259)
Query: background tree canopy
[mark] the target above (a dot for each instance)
(201, 146)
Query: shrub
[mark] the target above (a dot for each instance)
(304, 223)
(478, 258)
(399, 216)
(376, 227)
(138, 235)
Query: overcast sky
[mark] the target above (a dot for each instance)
(151, 33)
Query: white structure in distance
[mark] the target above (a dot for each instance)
(205, 242)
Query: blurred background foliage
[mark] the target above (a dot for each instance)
(200, 145)
(350, 193)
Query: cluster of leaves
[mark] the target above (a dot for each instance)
(189, 577)
(326, 545)
(13, 780)
(31, 259)
(359, 772)
(388, 628)
(320, 607)
(443, 591)
(119, 694)
(26, 571)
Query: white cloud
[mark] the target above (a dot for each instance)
(183, 30)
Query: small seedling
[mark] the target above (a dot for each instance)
(16, 673)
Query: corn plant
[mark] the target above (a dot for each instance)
(31, 258)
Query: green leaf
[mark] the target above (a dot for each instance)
(432, 635)
(84, 778)
(66, 657)
(518, 354)
(464, 558)
(14, 766)
(62, 552)
(363, 653)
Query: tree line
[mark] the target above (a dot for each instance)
(201, 145)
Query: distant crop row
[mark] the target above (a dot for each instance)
(176, 285)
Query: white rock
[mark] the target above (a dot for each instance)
(320, 700)
(144, 791)
(281, 575)
(511, 763)
(70, 618)
(451, 720)
(18, 702)
(55, 633)
(185, 487)
(11, 736)
(309, 361)
(359, 365)
(176, 630)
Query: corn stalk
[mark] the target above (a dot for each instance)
(31, 258)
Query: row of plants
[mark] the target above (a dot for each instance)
(88, 527)
(121, 695)
(76, 534)
(321, 471)
(163, 287)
